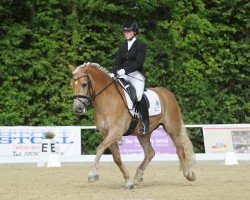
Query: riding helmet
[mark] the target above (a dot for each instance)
(130, 26)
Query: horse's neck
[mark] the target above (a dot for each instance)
(107, 96)
(99, 81)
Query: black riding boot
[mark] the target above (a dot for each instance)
(145, 116)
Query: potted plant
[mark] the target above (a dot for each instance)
(48, 143)
(48, 151)
(49, 135)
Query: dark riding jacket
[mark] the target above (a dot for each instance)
(130, 60)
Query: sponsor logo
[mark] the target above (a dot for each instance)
(32, 137)
(219, 145)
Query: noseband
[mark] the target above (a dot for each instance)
(79, 97)
(91, 97)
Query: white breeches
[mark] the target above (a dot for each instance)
(138, 81)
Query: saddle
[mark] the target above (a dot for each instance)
(130, 89)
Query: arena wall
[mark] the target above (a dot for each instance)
(22, 144)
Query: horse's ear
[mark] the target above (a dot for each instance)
(71, 68)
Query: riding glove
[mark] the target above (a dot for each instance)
(121, 72)
(111, 75)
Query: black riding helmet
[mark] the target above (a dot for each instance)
(130, 26)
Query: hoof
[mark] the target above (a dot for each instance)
(191, 176)
(138, 176)
(93, 178)
(129, 186)
(138, 179)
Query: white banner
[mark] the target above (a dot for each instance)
(219, 139)
(26, 140)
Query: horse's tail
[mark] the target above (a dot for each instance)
(189, 157)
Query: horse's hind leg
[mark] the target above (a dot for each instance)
(184, 149)
(117, 159)
(148, 155)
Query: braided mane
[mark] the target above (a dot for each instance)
(92, 64)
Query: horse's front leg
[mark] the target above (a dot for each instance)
(114, 148)
(93, 175)
(148, 156)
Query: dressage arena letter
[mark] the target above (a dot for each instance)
(52, 147)
(45, 147)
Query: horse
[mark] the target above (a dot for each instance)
(91, 83)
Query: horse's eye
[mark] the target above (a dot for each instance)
(84, 84)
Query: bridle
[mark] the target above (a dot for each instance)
(90, 97)
(79, 97)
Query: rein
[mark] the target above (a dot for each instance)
(120, 95)
(136, 78)
(93, 98)
(90, 98)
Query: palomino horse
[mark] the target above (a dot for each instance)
(91, 83)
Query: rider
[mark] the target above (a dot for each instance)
(128, 65)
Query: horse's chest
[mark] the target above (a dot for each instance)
(100, 123)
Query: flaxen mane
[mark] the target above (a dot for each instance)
(91, 64)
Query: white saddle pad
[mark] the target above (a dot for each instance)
(154, 103)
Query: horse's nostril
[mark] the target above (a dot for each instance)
(79, 109)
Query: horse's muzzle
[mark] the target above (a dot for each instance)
(79, 106)
(79, 109)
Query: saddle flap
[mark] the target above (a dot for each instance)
(152, 101)
(129, 89)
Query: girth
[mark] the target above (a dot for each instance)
(132, 125)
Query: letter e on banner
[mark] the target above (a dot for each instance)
(53, 149)
(44, 147)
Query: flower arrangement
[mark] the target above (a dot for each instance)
(49, 135)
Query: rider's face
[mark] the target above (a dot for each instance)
(129, 34)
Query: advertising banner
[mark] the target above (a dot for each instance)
(27, 140)
(160, 140)
(225, 139)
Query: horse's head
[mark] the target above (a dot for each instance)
(81, 86)
(89, 81)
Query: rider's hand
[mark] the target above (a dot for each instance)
(111, 75)
(121, 72)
